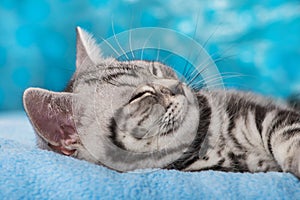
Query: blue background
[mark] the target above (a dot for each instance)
(260, 40)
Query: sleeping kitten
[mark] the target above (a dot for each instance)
(138, 114)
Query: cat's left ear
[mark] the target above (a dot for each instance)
(52, 118)
(88, 52)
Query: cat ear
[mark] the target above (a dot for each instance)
(87, 51)
(51, 116)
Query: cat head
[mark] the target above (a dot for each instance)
(124, 115)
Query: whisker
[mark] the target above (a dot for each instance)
(207, 61)
(130, 36)
(130, 44)
(197, 75)
(215, 79)
(221, 75)
(204, 68)
(185, 73)
(211, 35)
(181, 78)
(188, 77)
(235, 85)
(214, 85)
(146, 41)
(190, 52)
(155, 123)
(192, 77)
(157, 56)
(170, 141)
(118, 54)
(223, 58)
(200, 84)
(206, 42)
(201, 65)
(166, 58)
(117, 41)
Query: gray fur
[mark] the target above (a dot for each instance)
(138, 114)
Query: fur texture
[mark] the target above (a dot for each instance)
(138, 114)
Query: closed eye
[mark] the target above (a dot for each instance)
(141, 95)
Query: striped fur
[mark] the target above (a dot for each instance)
(138, 114)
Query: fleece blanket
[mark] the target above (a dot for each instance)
(27, 172)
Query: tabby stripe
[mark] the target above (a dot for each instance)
(109, 77)
(154, 71)
(278, 120)
(192, 154)
(122, 66)
(135, 112)
(106, 69)
(145, 116)
(288, 134)
(221, 145)
(260, 114)
(146, 110)
(284, 118)
(113, 133)
(247, 139)
(233, 109)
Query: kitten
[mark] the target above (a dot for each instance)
(129, 115)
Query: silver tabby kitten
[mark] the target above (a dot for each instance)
(137, 114)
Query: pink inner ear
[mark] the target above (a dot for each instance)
(51, 115)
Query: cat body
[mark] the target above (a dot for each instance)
(240, 131)
(137, 114)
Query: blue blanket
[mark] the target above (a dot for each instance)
(27, 172)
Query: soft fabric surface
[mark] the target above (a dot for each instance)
(30, 173)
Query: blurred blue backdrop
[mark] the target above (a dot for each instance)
(258, 39)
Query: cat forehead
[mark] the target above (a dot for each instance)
(146, 67)
(118, 74)
(133, 64)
